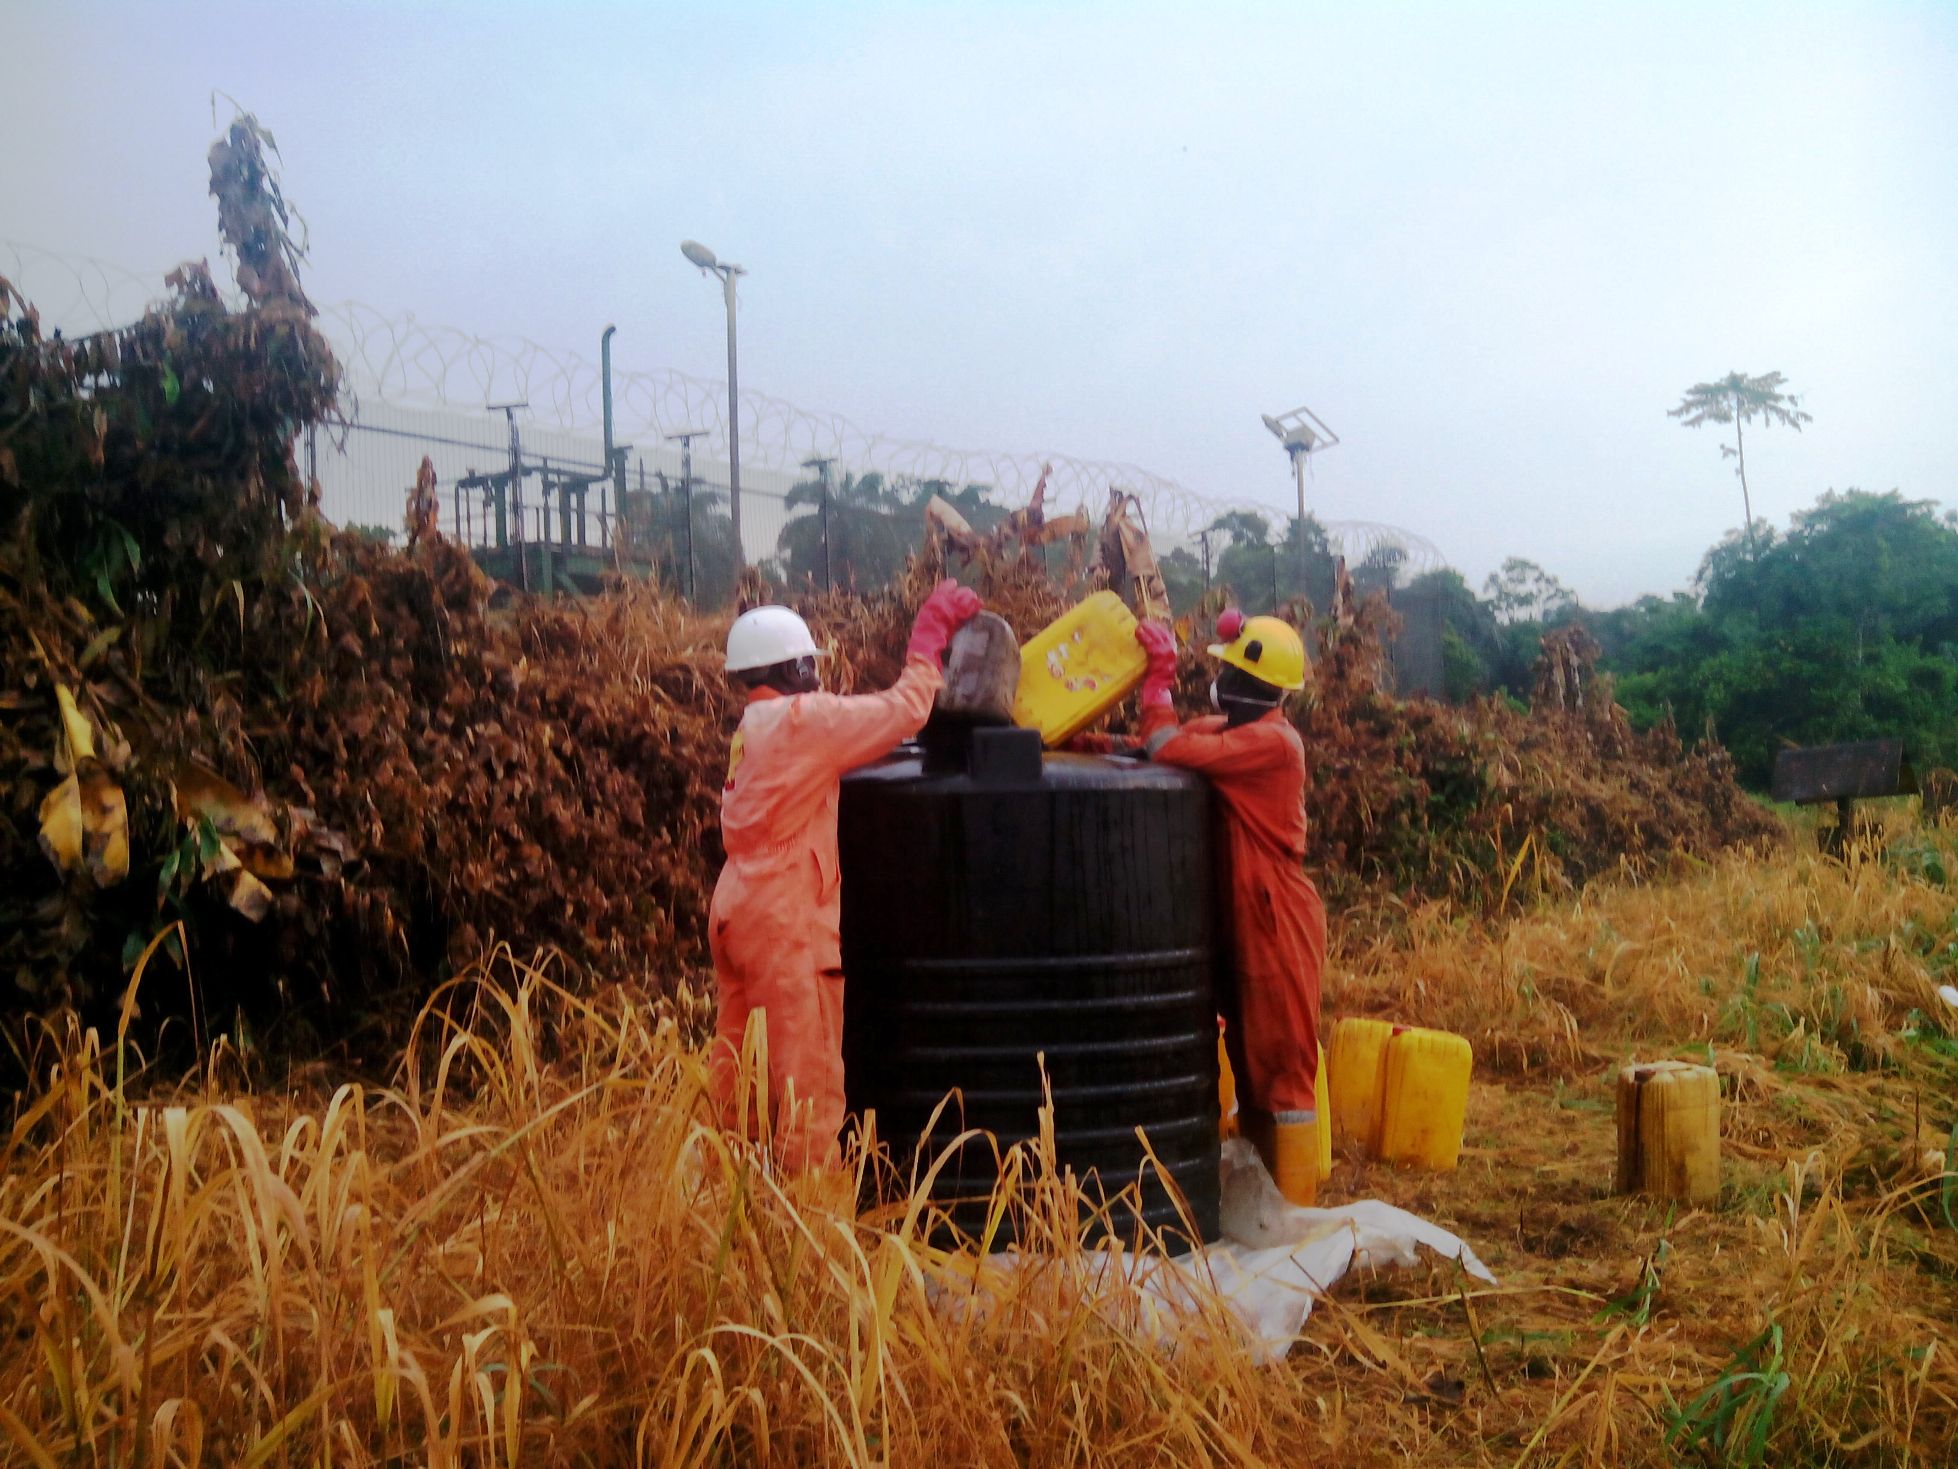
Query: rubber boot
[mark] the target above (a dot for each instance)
(1295, 1167)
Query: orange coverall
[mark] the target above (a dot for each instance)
(1279, 924)
(773, 922)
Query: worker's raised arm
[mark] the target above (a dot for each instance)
(855, 729)
(1206, 748)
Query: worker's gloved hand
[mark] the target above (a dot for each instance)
(1100, 744)
(948, 608)
(1160, 644)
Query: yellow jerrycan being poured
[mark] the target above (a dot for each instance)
(1078, 668)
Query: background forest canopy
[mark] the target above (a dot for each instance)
(1843, 628)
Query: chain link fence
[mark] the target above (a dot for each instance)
(538, 509)
(822, 500)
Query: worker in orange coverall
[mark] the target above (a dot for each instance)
(773, 922)
(1255, 761)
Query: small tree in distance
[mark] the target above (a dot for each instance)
(1736, 399)
(1522, 591)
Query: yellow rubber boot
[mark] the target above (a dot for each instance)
(1295, 1157)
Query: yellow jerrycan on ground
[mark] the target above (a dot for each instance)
(1669, 1131)
(1359, 1059)
(1401, 1091)
(1078, 668)
(1426, 1098)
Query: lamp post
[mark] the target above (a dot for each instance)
(1302, 432)
(698, 254)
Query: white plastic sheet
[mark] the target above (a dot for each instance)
(1274, 1261)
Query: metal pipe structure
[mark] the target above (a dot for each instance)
(733, 415)
(515, 495)
(699, 255)
(614, 456)
(605, 384)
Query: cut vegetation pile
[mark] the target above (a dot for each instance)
(346, 770)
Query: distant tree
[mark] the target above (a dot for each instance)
(1875, 567)
(1739, 399)
(1380, 569)
(1263, 571)
(1472, 643)
(1845, 628)
(868, 532)
(1310, 576)
(1522, 591)
(1182, 573)
(1245, 526)
(1248, 562)
(688, 537)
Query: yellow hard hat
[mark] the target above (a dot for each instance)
(1268, 648)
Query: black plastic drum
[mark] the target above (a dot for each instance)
(1029, 907)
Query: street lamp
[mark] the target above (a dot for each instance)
(698, 254)
(1302, 432)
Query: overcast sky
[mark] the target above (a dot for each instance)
(1488, 244)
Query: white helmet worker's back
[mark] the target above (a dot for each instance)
(764, 636)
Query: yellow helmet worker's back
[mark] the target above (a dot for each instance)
(1269, 649)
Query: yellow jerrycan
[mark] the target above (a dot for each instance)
(1322, 1099)
(1358, 1076)
(1078, 668)
(1226, 1088)
(1669, 1131)
(1425, 1098)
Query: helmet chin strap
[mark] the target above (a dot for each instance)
(1238, 708)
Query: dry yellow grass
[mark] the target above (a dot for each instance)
(1811, 985)
(513, 1259)
(530, 1250)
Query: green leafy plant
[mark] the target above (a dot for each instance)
(1731, 1421)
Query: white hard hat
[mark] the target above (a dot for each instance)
(764, 636)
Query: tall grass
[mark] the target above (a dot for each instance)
(1806, 1319)
(532, 1248)
(1809, 962)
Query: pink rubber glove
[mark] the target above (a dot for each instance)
(948, 608)
(1160, 644)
